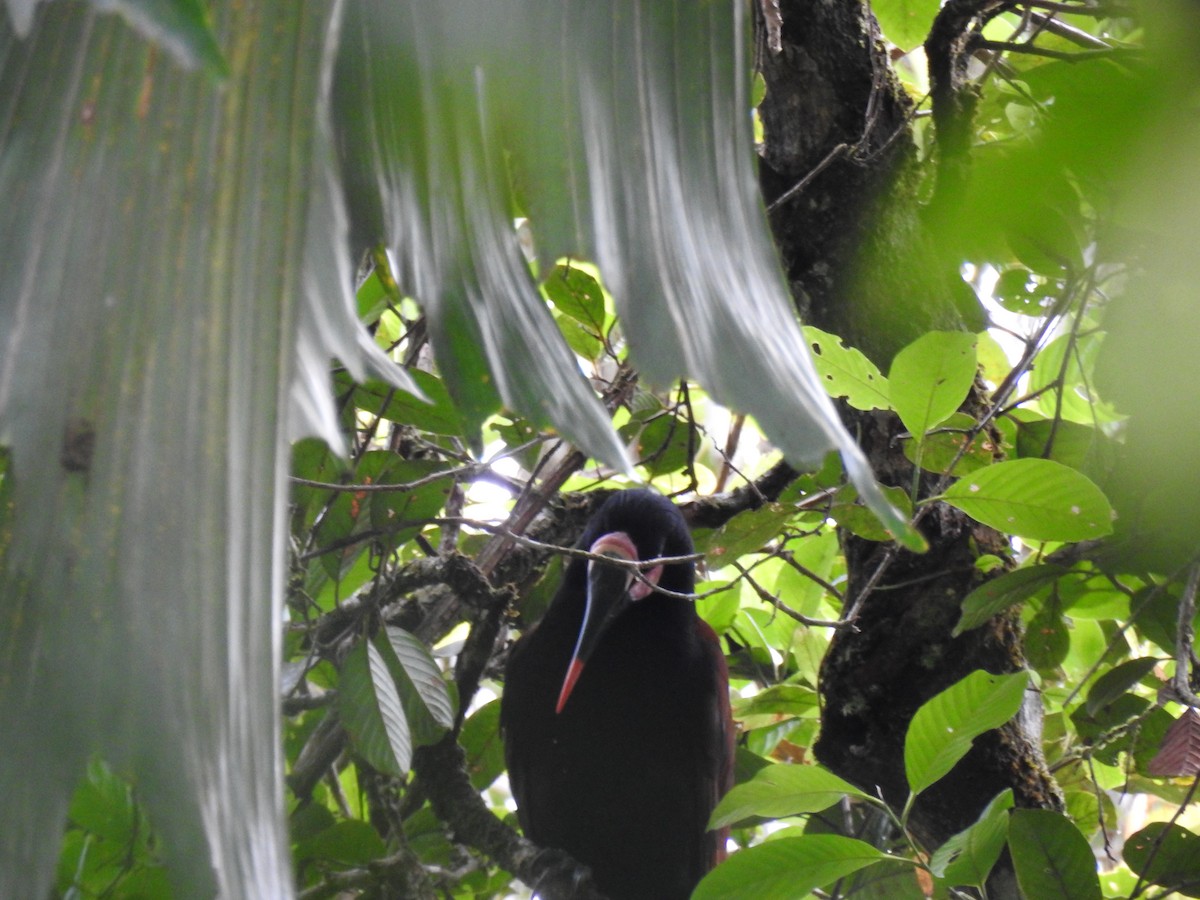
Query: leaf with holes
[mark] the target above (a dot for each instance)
(1167, 855)
(1037, 499)
(847, 373)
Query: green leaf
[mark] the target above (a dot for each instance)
(862, 520)
(1019, 290)
(1037, 499)
(439, 415)
(372, 711)
(1081, 447)
(930, 378)
(786, 868)
(1166, 854)
(103, 805)
(480, 739)
(1046, 242)
(391, 510)
(347, 843)
(968, 857)
(1071, 358)
(1117, 681)
(778, 700)
(944, 444)
(1047, 640)
(428, 706)
(417, 141)
(1051, 856)
(746, 532)
(943, 729)
(782, 790)
(846, 372)
(1121, 711)
(905, 22)
(661, 444)
(995, 596)
(578, 294)
(579, 338)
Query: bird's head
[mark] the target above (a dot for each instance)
(631, 526)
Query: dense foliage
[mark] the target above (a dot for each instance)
(414, 556)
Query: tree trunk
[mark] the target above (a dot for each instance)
(841, 176)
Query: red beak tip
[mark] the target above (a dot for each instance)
(568, 685)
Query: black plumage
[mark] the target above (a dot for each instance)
(622, 767)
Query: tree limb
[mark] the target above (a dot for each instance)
(551, 873)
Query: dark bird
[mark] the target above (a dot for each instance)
(615, 712)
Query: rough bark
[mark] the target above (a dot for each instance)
(858, 256)
(837, 158)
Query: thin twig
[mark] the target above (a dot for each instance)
(1096, 10)
(465, 471)
(767, 597)
(790, 558)
(830, 157)
(1034, 50)
(1075, 35)
(851, 614)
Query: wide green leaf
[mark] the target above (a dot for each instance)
(968, 857)
(1081, 447)
(786, 868)
(436, 413)
(905, 22)
(782, 790)
(943, 729)
(1052, 858)
(372, 711)
(930, 378)
(349, 843)
(745, 533)
(428, 705)
(576, 292)
(1168, 855)
(995, 596)
(173, 285)
(1037, 499)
